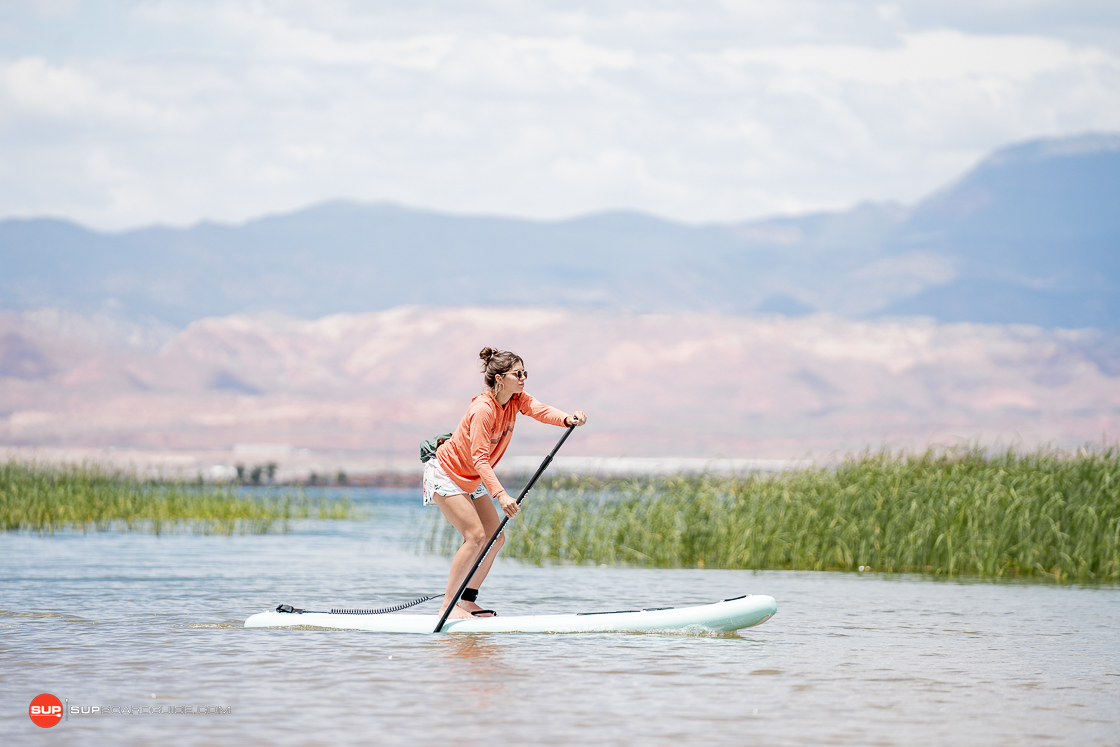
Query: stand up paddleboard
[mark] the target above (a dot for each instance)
(722, 617)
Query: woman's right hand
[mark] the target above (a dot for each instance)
(508, 504)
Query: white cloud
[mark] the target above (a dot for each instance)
(177, 111)
(276, 37)
(34, 87)
(934, 56)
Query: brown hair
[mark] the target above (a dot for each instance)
(497, 362)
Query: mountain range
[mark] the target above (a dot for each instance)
(1031, 235)
(360, 391)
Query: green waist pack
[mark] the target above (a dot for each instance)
(428, 448)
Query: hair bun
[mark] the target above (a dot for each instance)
(496, 363)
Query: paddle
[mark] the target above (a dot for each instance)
(486, 550)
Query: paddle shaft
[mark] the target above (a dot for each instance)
(486, 550)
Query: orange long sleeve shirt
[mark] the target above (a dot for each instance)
(476, 447)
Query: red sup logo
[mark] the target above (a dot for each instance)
(46, 710)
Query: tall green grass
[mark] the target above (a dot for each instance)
(46, 499)
(954, 513)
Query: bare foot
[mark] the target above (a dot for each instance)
(458, 614)
(473, 607)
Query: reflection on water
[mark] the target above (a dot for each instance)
(477, 652)
(478, 662)
(848, 659)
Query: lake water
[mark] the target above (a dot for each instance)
(138, 620)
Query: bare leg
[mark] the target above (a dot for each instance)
(484, 507)
(465, 517)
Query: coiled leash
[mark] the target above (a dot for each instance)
(383, 611)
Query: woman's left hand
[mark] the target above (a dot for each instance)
(577, 419)
(508, 504)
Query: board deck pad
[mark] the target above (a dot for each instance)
(725, 616)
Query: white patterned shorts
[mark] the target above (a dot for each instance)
(436, 480)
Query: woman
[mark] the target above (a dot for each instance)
(463, 470)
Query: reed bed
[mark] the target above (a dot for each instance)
(963, 512)
(46, 499)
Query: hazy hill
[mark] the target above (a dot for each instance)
(1032, 235)
(689, 384)
(1035, 233)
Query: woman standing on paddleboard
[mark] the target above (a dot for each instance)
(463, 469)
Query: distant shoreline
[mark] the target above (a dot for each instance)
(219, 468)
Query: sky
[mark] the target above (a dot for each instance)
(129, 113)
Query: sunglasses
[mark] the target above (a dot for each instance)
(521, 374)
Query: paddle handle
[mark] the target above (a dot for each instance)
(501, 526)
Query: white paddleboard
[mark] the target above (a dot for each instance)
(722, 617)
